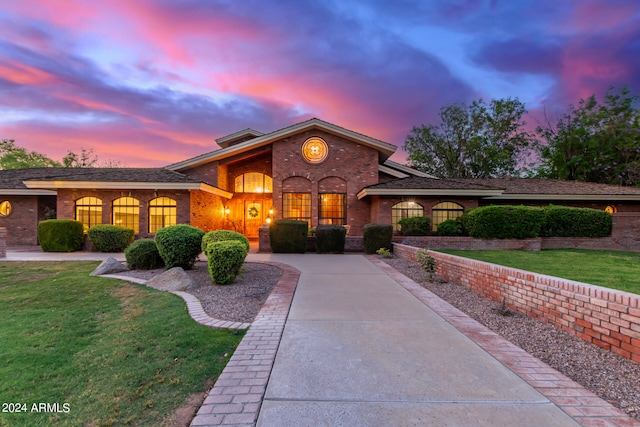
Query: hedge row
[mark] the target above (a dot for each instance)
(521, 222)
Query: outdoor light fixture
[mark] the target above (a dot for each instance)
(227, 211)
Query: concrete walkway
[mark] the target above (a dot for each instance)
(362, 345)
(360, 350)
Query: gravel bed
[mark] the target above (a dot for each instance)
(238, 302)
(612, 377)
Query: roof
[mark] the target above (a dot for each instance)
(428, 186)
(557, 187)
(502, 189)
(385, 150)
(44, 180)
(247, 133)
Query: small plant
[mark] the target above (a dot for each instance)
(110, 238)
(377, 236)
(143, 255)
(427, 262)
(221, 235)
(225, 259)
(384, 253)
(179, 245)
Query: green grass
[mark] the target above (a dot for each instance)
(118, 354)
(611, 269)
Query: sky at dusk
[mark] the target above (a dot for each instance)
(152, 82)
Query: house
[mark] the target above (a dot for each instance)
(313, 171)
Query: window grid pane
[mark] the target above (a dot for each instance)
(332, 208)
(162, 213)
(444, 211)
(89, 212)
(405, 210)
(253, 182)
(297, 206)
(126, 213)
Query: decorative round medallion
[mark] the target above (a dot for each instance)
(611, 209)
(315, 150)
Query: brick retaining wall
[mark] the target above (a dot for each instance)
(605, 317)
(3, 242)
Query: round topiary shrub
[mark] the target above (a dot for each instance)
(110, 238)
(143, 255)
(179, 245)
(330, 239)
(377, 236)
(288, 236)
(222, 235)
(225, 258)
(415, 226)
(450, 227)
(60, 235)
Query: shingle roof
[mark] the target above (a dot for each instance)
(14, 178)
(508, 188)
(419, 183)
(553, 186)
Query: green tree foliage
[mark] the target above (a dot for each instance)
(594, 142)
(14, 157)
(472, 141)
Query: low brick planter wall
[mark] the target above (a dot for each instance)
(605, 317)
(3, 242)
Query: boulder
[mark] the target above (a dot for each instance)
(109, 266)
(174, 279)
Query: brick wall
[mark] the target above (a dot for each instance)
(605, 317)
(3, 242)
(349, 164)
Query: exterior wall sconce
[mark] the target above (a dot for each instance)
(227, 211)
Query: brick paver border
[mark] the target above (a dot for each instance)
(237, 395)
(582, 405)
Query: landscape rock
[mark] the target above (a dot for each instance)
(174, 279)
(109, 266)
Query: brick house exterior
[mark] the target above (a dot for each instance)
(312, 170)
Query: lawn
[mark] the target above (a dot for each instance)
(611, 269)
(100, 352)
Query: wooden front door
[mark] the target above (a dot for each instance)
(254, 217)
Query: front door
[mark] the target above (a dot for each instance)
(253, 218)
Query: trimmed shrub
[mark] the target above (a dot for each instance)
(564, 221)
(222, 235)
(505, 222)
(288, 236)
(225, 258)
(179, 245)
(415, 226)
(450, 227)
(110, 238)
(60, 235)
(377, 236)
(143, 255)
(330, 239)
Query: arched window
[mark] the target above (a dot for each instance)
(89, 212)
(405, 210)
(162, 213)
(126, 213)
(444, 211)
(253, 182)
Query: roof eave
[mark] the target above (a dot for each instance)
(26, 192)
(576, 197)
(111, 185)
(409, 192)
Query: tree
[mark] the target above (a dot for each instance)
(594, 142)
(86, 159)
(14, 157)
(475, 141)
